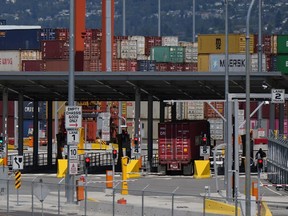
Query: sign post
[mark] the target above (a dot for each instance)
(73, 121)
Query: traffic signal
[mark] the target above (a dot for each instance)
(136, 144)
(204, 143)
(260, 164)
(87, 162)
(1, 143)
(114, 153)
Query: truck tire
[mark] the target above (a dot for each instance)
(188, 169)
(162, 169)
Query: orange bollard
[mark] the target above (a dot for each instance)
(255, 189)
(80, 188)
(109, 179)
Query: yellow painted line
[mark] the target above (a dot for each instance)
(265, 211)
(92, 199)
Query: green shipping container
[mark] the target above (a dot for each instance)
(282, 44)
(282, 63)
(173, 54)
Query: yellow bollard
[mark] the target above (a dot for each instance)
(124, 176)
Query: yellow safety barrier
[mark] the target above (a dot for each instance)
(124, 190)
(202, 169)
(265, 211)
(81, 141)
(62, 168)
(1, 161)
(217, 207)
(133, 169)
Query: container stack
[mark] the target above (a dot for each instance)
(280, 48)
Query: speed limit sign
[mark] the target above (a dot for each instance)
(73, 154)
(278, 95)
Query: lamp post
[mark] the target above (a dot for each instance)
(159, 18)
(193, 31)
(247, 160)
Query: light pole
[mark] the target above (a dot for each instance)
(247, 159)
(159, 18)
(193, 31)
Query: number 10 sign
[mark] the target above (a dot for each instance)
(72, 136)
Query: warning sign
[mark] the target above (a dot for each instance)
(73, 168)
(73, 117)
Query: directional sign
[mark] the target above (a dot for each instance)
(73, 168)
(17, 163)
(73, 154)
(73, 136)
(73, 117)
(278, 95)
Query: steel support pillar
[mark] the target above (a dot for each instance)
(272, 116)
(281, 118)
(150, 130)
(162, 111)
(20, 123)
(173, 112)
(137, 116)
(5, 125)
(35, 134)
(49, 134)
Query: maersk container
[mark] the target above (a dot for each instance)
(179, 144)
(172, 54)
(282, 44)
(215, 43)
(15, 39)
(10, 61)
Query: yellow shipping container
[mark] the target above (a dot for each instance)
(203, 63)
(215, 43)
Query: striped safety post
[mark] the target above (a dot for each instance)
(17, 179)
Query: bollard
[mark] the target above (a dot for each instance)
(255, 190)
(80, 188)
(109, 179)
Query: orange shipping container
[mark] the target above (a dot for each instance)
(215, 43)
(211, 113)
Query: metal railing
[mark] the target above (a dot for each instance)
(44, 196)
(277, 162)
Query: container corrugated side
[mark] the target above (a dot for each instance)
(282, 63)
(254, 62)
(215, 44)
(128, 49)
(282, 44)
(140, 44)
(203, 63)
(236, 63)
(195, 110)
(169, 41)
(30, 55)
(10, 61)
(172, 54)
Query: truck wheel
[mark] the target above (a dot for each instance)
(162, 169)
(188, 169)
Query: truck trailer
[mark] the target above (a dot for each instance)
(179, 145)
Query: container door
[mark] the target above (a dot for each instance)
(182, 142)
(165, 142)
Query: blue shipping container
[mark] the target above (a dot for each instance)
(28, 112)
(24, 39)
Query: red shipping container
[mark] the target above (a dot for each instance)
(175, 67)
(131, 65)
(211, 113)
(162, 66)
(266, 44)
(190, 67)
(32, 65)
(62, 34)
(253, 106)
(151, 41)
(10, 125)
(55, 49)
(10, 109)
(56, 65)
(91, 128)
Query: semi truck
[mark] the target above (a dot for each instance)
(179, 145)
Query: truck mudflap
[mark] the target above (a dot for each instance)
(174, 165)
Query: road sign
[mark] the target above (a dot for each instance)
(106, 126)
(73, 168)
(73, 136)
(73, 117)
(17, 179)
(278, 95)
(204, 151)
(73, 154)
(17, 163)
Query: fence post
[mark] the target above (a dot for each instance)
(143, 200)
(8, 195)
(173, 193)
(59, 188)
(32, 194)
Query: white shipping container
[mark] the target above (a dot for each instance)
(185, 43)
(140, 44)
(10, 61)
(30, 55)
(142, 57)
(169, 41)
(195, 110)
(236, 63)
(128, 49)
(254, 62)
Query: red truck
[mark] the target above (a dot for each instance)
(179, 145)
